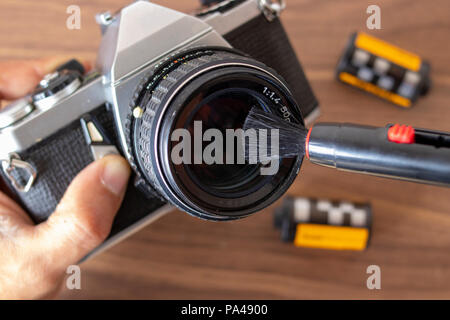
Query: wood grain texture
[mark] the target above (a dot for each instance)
(183, 257)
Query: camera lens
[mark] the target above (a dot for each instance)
(194, 107)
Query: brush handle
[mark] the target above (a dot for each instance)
(397, 152)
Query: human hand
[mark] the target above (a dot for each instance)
(34, 258)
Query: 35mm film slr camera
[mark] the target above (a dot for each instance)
(159, 70)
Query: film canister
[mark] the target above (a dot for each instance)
(383, 70)
(324, 224)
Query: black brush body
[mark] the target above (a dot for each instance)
(398, 152)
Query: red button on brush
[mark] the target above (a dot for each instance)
(401, 134)
(307, 143)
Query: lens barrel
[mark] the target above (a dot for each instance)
(195, 100)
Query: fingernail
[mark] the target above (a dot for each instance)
(116, 173)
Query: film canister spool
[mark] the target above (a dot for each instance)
(333, 225)
(384, 70)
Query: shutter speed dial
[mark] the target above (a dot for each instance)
(55, 87)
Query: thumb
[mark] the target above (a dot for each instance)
(84, 217)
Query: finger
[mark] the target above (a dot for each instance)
(84, 217)
(14, 222)
(10, 207)
(18, 78)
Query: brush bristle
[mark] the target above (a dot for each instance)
(292, 136)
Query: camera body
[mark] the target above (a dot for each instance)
(151, 60)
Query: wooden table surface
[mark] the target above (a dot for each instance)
(182, 257)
